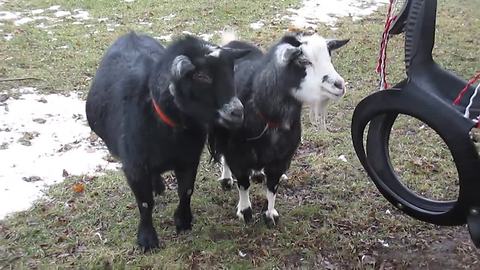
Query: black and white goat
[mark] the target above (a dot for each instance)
(152, 107)
(319, 101)
(273, 87)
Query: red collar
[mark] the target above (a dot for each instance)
(270, 124)
(165, 119)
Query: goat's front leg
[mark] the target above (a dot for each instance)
(244, 207)
(226, 179)
(274, 175)
(186, 181)
(140, 181)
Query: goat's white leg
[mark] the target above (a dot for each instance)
(226, 179)
(244, 207)
(270, 214)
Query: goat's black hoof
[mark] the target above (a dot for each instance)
(226, 183)
(183, 222)
(245, 215)
(271, 219)
(258, 177)
(158, 186)
(147, 238)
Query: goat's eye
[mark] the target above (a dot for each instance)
(203, 77)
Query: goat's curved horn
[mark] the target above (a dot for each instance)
(181, 65)
(334, 44)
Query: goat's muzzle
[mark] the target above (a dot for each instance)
(231, 114)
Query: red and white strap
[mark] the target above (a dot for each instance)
(382, 57)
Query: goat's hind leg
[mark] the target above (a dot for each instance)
(244, 207)
(226, 179)
(140, 181)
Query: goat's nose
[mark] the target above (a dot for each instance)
(237, 108)
(340, 84)
(238, 111)
(234, 109)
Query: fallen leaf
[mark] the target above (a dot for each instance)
(79, 187)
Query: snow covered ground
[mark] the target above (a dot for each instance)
(313, 12)
(43, 138)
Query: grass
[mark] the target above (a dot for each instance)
(332, 216)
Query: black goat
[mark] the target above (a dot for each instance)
(273, 87)
(152, 107)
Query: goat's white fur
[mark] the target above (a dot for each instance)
(314, 90)
(243, 202)
(271, 212)
(226, 172)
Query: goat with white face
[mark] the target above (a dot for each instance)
(273, 87)
(324, 81)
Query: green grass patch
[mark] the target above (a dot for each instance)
(332, 216)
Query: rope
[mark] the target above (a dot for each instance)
(465, 89)
(467, 109)
(382, 57)
(259, 136)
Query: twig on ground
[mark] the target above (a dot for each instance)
(19, 79)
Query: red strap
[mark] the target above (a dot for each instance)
(162, 115)
(465, 89)
(270, 124)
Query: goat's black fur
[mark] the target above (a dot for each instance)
(264, 87)
(120, 111)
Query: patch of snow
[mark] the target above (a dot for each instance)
(37, 11)
(56, 7)
(129, 1)
(169, 17)
(81, 14)
(187, 33)
(102, 20)
(313, 12)
(342, 158)
(383, 242)
(62, 13)
(23, 20)
(257, 25)
(41, 136)
(8, 36)
(206, 37)
(7, 15)
(166, 38)
(149, 24)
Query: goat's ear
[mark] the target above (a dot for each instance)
(235, 53)
(181, 65)
(287, 53)
(334, 44)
